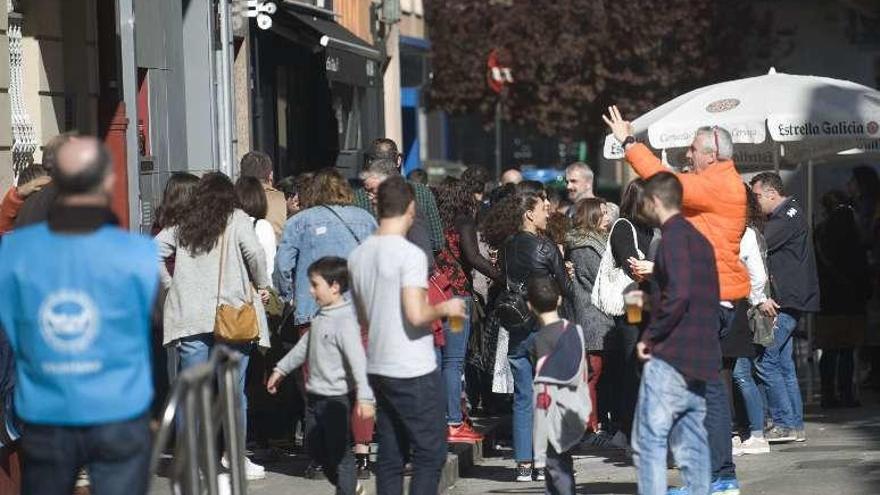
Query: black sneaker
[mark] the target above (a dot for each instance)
(315, 472)
(523, 472)
(778, 434)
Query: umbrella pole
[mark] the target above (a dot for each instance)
(810, 320)
(776, 158)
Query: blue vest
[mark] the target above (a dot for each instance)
(76, 309)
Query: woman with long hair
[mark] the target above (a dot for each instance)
(218, 260)
(630, 238)
(737, 348)
(525, 254)
(252, 200)
(457, 205)
(584, 247)
(175, 202)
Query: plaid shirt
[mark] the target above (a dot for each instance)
(426, 205)
(685, 323)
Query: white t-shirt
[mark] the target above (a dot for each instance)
(380, 268)
(266, 236)
(750, 255)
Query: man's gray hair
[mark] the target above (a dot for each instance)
(381, 167)
(718, 140)
(581, 167)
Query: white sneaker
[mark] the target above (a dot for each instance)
(251, 471)
(753, 446)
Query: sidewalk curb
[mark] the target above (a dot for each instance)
(462, 457)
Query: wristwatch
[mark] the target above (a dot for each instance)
(627, 141)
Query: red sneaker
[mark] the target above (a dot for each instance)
(462, 433)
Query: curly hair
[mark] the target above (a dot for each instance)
(474, 179)
(754, 215)
(558, 224)
(454, 201)
(327, 187)
(176, 199)
(212, 204)
(506, 217)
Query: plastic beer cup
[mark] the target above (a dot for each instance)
(456, 324)
(634, 301)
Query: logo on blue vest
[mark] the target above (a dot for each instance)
(68, 321)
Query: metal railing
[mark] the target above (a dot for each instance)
(206, 410)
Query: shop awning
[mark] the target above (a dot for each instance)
(348, 58)
(333, 35)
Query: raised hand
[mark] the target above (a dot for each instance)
(619, 128)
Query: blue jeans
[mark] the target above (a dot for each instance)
(410, 419)
(523, 376)
(452, 363)
(754, 404)
(195, 350)
(776, 369)
(116, 455)
(671, 411)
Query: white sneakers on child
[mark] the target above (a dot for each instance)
(251, 471)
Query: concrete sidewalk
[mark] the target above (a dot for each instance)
(841, 456)
(286, 466)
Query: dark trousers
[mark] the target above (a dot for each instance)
(328, 437)
(718, 420)
(560, 473)
(116, 455)
(620, 380)
(411, 418)
(836, 369)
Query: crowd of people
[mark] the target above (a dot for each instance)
(390, 311)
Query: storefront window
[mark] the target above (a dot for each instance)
(347, 108)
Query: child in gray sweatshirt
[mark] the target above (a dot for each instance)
(337, 370)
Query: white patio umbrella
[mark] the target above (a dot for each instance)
(775, 118)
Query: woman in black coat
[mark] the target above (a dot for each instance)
(621, 375)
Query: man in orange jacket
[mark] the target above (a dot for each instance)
(714, 201)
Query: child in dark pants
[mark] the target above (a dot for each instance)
(561, 390)
(337, 368)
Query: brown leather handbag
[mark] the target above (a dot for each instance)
(231, 324)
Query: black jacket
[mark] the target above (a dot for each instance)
(790, 259)
(844, 277)
(526, 255)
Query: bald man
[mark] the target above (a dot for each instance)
(511, 176)
(76, 296)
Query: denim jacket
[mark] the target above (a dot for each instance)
(308, 236)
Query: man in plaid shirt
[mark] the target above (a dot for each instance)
(426, 205)
(680, 347)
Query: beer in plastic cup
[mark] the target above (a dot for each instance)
(634, 301)
(456, 324)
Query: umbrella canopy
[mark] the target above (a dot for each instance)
(773, 119)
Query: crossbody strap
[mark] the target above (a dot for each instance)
(343, 222)
(222, 259)
(635, 239)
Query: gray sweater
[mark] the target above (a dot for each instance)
(191, 301)
(335, 353)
